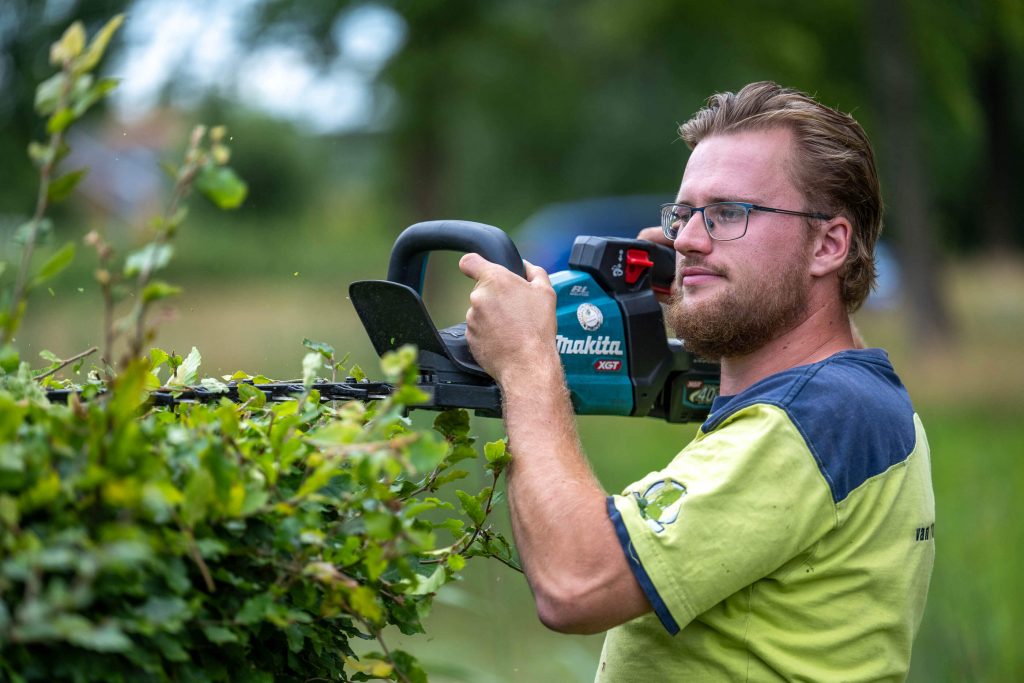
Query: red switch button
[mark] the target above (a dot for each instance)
(637, 261)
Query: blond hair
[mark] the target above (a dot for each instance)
(834, 165)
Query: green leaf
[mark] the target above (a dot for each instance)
(497, 456)
(254, 609)
(323, 348)
(456, 562)
(311, 362)
(214, 385)
(167, 611)
(151, 258)
(221, 186)
(60, 120)
(471, 506)
(255, 397)
(429, 584)
(157, 357)
(61, 188)
(98, 45)
(48, 93)
(248, 393)
(49, 356)
(9, 358)
(334, 434)
(453, 423)
(410, 668)
(187, 372)
(104, 638)
(317, 480)
(218, 635)
(57, 262)
(427, 452)
(171, 649)
(450, 476)
(199, 492)
(296, 637)
(92, 95)
(69, 46)
(42, 228)
(363, 601)
(374, 560)
(158, 289)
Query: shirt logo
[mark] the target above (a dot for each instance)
(660, 503)
(925, 533)
(579, 290)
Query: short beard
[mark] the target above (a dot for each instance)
(742, 320)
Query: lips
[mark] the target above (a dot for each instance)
(691, 276)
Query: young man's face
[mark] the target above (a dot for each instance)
(733, 297)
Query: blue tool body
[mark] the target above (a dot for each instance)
(592, 344)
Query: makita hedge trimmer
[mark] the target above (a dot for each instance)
(611, 334)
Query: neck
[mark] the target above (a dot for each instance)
(824, 331)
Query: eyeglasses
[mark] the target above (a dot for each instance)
(724, 220)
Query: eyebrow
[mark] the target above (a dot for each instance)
(717, 199)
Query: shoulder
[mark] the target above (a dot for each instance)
(851, 409)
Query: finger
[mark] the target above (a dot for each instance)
(654, 235)
(536, 273)
(473, 265)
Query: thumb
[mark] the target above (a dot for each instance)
(473, 265)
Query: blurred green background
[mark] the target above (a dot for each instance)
(351, 120)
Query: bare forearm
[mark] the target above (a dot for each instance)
(550, 482)
(565, 539)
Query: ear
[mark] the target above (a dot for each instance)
(831, 245)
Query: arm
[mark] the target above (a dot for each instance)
(572, 558)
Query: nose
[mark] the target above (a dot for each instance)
(693, 236)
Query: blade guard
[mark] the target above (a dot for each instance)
(393, 313)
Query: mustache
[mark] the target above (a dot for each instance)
(697, 262)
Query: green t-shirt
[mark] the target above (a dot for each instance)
(792, 539)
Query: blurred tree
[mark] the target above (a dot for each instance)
(998, 74)
(896, 89)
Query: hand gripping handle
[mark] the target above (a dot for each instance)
(408, 256)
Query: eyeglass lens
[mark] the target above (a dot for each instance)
(724, 221)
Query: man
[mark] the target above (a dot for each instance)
(792, 539)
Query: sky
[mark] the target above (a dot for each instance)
(195, 44)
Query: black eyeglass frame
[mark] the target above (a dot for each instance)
(666, 226)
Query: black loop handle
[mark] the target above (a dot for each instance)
(408, 256)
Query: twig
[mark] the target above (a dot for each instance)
(182, 187)
(65, 363)
(42, 202)
(487, 512)
(193, 550)
(387, 653)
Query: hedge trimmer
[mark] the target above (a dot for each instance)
(611, 333)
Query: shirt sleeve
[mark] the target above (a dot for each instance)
(732, 507)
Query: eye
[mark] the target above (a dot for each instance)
(729, 214)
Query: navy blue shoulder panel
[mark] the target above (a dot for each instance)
(851, 409)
